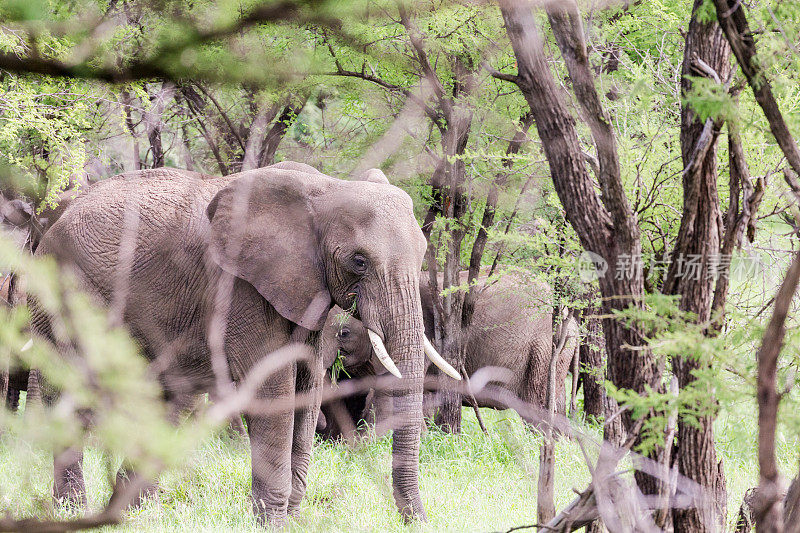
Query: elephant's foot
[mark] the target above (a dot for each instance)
(294, 500)
(70, 494)
(411, 509)
(131, 490)
(69, 488)
(269, 517)
(269, 506)
(299, 481)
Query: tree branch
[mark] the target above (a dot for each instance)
(565, 21)
(733, 22)
(493, 72)
(224, 116)
(422, 57)
(154, 65)
(431, 113)
(768, 504)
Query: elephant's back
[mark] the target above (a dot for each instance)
(151, 223)
(158, 194)
(511, 325)
(513, 302)
(144, 198)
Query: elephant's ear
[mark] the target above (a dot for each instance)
(263, 231)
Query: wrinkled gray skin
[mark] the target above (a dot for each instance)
(17, 379)
(511, 328)
(18, 221)
(303, 242)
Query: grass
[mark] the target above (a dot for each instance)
(470, 482)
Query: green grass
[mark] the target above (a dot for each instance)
(470, 482)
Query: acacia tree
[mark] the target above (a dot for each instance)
(444, 83)
(769, 512)
(606, 225)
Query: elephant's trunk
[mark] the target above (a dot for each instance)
(404, 333)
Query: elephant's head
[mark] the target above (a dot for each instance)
(306, 241)
(345, 337)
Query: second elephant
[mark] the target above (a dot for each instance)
(511, 329)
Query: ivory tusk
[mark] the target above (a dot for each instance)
(28, 346)
(439, 361)
(383, 355)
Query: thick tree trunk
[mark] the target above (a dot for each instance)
(448, 416)
(698, 239)
(606, 226)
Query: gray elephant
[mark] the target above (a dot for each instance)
(17, 220)
(511, 329)
(288, 242)
(11, 381)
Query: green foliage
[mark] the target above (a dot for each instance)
(338, 367)
(96, 370)
(50, 128)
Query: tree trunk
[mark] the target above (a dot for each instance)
(454, 144)
(448, 416)
(698, 238)
(255, 134)
(605, 225)
(154, 122)
(127, 105)
(278, 130)
(592, 371)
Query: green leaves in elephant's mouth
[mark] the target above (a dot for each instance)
(338, 366)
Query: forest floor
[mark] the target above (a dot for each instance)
(470, 482)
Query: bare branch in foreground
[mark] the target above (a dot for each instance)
(767, 505)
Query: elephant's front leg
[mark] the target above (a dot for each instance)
(271, 447)
(309, 394)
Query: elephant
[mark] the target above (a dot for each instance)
(286, 242)
(19, 220)
(511, 328)
(17, 380)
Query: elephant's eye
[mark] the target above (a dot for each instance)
(360, 263)
(344, 333)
